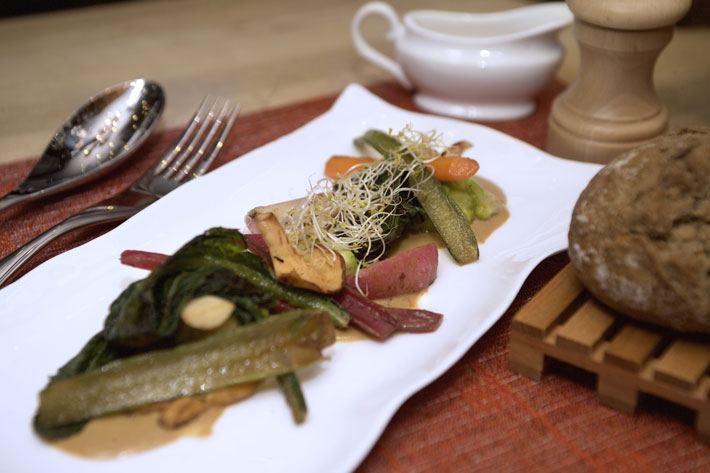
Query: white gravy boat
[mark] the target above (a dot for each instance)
(486, 66)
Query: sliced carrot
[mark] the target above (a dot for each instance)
(340, 166)
(454, 168)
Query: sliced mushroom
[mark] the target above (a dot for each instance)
(281, 210)
(319, 270)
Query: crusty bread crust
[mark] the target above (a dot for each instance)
(640, 232)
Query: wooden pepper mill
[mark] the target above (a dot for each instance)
(612, 104)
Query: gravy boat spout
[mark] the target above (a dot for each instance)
(519, 24)
(481, 66)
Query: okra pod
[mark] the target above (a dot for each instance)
(270, 348)
(446, 216)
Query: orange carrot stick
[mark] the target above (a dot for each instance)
(340, 166)
(454, 168)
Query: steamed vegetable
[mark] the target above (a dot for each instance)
(214, 263)
(474, 200)
(445, 168)
(338, 167)
(453, 168)
(361, 213)
(445, 215)
(149, 314)
(409, 271)
(273, 347)
(160, 340)
(367, 315)
(415, 320)
(142, 259)
(383, 279)
(380, 322)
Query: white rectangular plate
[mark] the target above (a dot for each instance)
(47, 316)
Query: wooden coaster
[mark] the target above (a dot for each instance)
(565, 323)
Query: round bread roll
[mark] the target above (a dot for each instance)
(640, 232)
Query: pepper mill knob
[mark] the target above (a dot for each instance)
(612, 104)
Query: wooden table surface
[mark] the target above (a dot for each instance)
(262, 52)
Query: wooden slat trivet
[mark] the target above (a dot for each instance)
(565, 323)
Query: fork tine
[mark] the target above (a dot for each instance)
(202, 167)
(186, 153)
(196, 119)
(210, 147)
(188, 164)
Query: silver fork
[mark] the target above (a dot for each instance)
(191, 155)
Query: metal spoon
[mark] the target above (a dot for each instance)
(98, 136)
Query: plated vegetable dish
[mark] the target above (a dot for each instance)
(230, 310)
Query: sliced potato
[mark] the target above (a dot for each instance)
(319, 271)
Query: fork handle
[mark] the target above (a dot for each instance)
(90, 216)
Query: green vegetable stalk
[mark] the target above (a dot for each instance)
(216, 263)
(443, 212)
(475, 202)
(147, 315)
(270, 348)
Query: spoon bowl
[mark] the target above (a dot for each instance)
(98, 136)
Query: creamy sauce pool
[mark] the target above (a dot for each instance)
(111, 436)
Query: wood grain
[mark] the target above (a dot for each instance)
(549, 304)
(631, 347)
(625, 365)
(683, 364)
(585, 328)
(612, 105)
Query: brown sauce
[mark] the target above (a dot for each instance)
(413, 240)
(404, 301)
(483, 229)
(112, 436)
(141, 430)
(351, 334)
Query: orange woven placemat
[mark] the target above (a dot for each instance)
(478, 416)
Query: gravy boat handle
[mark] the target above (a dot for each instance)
(371, 54)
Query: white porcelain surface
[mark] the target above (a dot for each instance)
(47, 315)
(485, 66)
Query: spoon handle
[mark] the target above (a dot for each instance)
(90, 216)
(11, 199)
